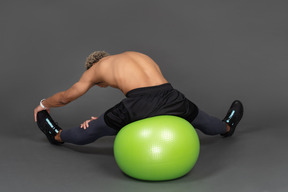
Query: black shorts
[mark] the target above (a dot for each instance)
(146, 102)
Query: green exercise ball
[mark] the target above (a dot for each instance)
(157, 148)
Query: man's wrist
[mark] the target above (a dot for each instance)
(41, 104)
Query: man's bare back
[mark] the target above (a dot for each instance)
(127, 71)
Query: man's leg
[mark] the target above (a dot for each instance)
(209, 125)
(97, 128)
(79, 136)
(213, 126)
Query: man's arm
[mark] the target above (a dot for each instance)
(62, 98)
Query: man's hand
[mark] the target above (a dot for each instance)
(85, 125)
(37, 109)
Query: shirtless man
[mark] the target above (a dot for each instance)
(147, 93)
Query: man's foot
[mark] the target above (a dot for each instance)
(48, 126)
(233, 117)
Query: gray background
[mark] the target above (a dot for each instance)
(212, 51)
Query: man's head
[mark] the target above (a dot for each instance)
(94, 58)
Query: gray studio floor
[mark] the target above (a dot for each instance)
(253, 160)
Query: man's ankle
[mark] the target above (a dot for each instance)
(58, 138)
(228, 127)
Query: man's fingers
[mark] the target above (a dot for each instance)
(87, 123)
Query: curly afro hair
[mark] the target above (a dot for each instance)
(94, 58)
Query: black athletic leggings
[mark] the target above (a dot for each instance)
(209, 125)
